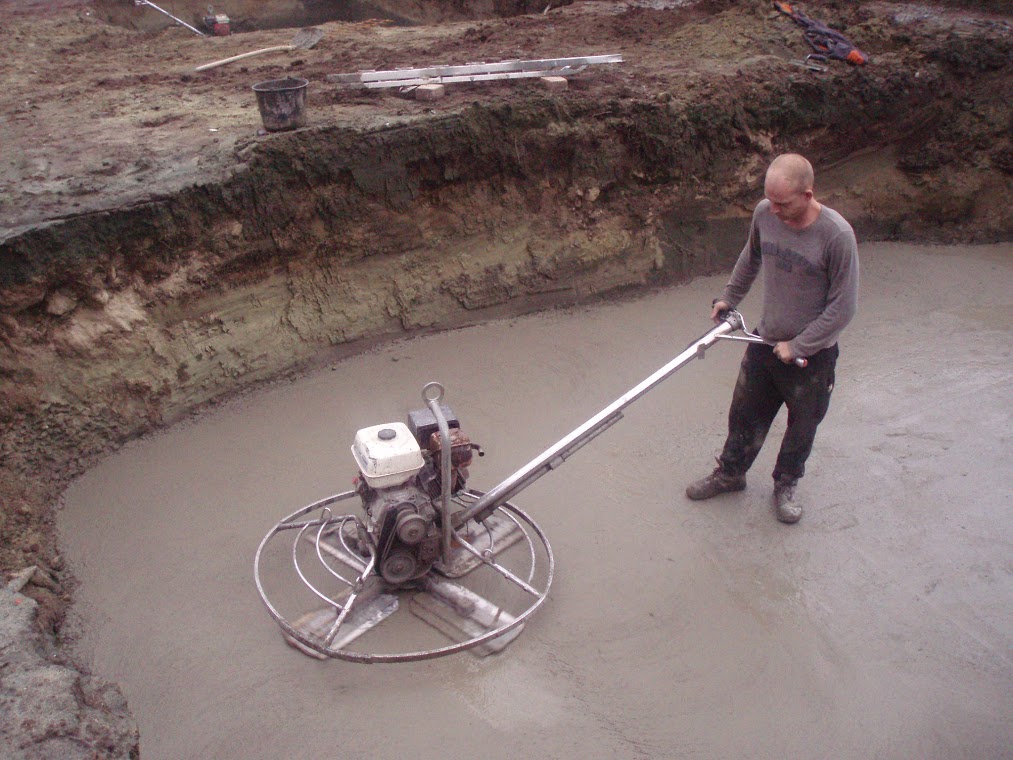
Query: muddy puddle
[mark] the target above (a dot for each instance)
(880, 626)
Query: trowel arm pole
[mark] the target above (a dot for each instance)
(555, 455)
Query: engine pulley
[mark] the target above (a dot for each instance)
(411, 527)
(398, 567)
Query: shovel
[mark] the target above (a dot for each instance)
(304, 40)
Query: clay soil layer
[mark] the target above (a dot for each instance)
(159, 252)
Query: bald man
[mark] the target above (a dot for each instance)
(809, 259)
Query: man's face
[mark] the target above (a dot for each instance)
(786, 202)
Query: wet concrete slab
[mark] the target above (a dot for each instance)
(879, 626)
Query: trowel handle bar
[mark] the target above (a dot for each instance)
(799, 361)
(556, 454)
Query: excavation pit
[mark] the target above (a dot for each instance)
(159, 257)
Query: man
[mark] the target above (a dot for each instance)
(809, 259)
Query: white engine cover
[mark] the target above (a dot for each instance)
(387, 455)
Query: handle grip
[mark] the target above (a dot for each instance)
(749, 337)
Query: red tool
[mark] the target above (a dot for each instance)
(825, 41)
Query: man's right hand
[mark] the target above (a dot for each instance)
(719, 308)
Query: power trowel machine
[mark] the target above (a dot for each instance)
(469, 563)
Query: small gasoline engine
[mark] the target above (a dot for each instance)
(217, 23)
(400, 484)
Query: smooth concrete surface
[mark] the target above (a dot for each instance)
(881, 626)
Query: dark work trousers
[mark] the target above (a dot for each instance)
(764, 383)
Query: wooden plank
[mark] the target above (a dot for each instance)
(467, 78)
(471, 72)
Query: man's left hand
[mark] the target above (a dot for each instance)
(784, 353)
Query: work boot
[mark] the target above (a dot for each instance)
(788, 510)
(717, 482)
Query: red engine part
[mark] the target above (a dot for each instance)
(218, 25)
(461, 449)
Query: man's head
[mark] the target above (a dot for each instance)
(789, 188)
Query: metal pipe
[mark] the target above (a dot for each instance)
(556, 454)
(750, 337)
(433, 402)
(178, 21)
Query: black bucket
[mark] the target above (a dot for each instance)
(282, 103)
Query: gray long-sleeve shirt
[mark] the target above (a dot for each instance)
(810, 278)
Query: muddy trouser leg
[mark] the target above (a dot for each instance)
(807, 395)
(755, 402)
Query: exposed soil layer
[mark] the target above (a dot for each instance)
(159, 252)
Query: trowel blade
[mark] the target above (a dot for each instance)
(461, 614)
(364, 615)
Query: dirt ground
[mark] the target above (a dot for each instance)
(104, 116)
(159, 252)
